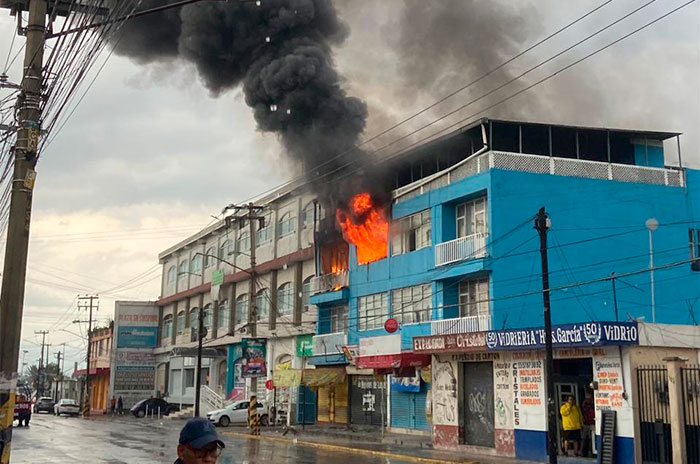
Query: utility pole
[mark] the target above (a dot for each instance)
(542, 225)
(58, 376)
(252, 217)
(201, 333)
(39, 383)
(62, 367)
(15, 266)
(91, 299)
(614, 289)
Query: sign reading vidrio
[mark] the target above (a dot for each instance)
(133, 370)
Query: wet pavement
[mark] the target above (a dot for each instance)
(128, 440)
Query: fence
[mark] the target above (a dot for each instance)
(690, 381)
(654, 414)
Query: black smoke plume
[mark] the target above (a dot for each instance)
(280, 52)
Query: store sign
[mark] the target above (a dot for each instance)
(137, 337)
(386, 344)
(217, 278)
(406, 384)
(567, 335)
(450, 343)
(254, 353)
(305, 345)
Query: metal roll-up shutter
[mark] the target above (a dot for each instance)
(401, 409)
(419, 400)
(341, 403)
(324, 399)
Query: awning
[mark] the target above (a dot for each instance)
(393, 361)
(310, 377)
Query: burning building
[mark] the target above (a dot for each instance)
(438, 290)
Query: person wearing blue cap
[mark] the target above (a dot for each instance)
(199, 443)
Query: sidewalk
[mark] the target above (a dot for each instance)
(368, 442)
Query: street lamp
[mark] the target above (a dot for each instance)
(652, 224)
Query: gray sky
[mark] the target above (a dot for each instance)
(149, 156)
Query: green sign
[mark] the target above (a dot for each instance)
(305, 345)
(217, 277)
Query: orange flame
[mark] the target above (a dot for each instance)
(368, 232)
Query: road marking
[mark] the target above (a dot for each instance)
(347, 449)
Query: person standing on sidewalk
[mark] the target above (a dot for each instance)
(120, 405)
(572, 423)
(199, 443)
(588, 431)
(113, 405)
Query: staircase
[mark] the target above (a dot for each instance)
(184, 413)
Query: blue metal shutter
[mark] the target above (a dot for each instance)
(401, 409)
(420, 421)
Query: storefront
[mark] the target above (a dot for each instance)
(408, 401)
(383, 356)
(489, 387)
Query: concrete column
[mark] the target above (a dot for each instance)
(675, 401)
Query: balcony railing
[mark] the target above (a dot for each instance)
(330, 282)
(541, 165)
(465, 324)
(469, 247)
(330, 343)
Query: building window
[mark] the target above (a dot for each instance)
(338, 318)
(182, 270)
(372, 310)
(264, 235)
(306, 294)
(287, 224)
(223, 314)
(412, 304)
(285, 300)
(472, 218)
(180, 322)
(243, 241)
(694, 237)
(196, 264)
(262, 305)
(172, 274)
(210, 257)
(474, 297)
(242, 309)
(194, 317)
(307, 215)
(411, 233)
(207, 316)
(226, 249)
(167, 328)
(189, 378)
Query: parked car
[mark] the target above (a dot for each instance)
(237, 413)
(67, 406)
(45, 403)
(153, 406)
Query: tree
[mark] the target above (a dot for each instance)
(43, 379)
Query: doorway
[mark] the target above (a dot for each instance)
(572, 377)
(478, 404)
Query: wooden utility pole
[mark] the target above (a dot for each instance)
(253, 217)
(58, 377)
(201, 333)
(542, 224)
(39, 383)
(15, 267)
(89, 306)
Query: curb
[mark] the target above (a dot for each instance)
(347, 449)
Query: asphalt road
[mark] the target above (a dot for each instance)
(128, 440)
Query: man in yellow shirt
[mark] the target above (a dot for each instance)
(572, 423)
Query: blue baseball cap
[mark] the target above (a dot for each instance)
(198, 432)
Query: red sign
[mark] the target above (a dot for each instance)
(450, 343)
(391, 325)
(269, 384)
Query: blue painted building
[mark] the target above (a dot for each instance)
(463, 258)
